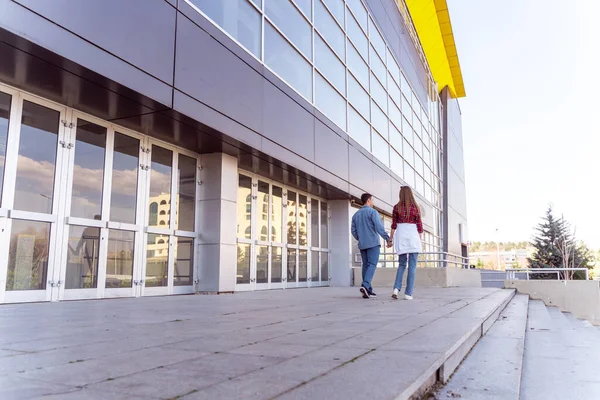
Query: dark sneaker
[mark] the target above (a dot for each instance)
(372, 294)
(365, 292)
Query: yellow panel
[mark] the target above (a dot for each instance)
(434, 28)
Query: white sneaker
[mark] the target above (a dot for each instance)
(407, 297)
(395, 294)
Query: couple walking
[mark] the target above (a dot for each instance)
(404, 237)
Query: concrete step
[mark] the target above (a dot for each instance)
(493, 368)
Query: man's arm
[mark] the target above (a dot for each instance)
(353, 230)
(379, 226)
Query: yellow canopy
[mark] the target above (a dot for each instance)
(432, 22)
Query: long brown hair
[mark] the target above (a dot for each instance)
(407, 198)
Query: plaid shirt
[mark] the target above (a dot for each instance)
(407, 215)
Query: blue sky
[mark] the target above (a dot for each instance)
(530, 118)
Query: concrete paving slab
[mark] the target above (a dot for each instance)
(13, 387)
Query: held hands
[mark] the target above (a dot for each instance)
(390, 242)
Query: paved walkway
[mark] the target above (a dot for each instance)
(294, 344)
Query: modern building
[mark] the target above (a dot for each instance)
(154, 147)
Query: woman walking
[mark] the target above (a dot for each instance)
(405, 237)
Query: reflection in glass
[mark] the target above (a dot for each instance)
(291, 265)
(302, 220)
(4, 117)
(330, 102)
(327, 27)
(357, 36)
(293, 25)
(186, 194)
(359, 11)
(243, 263)
(305, 6)
(287, 62)
(329, 65)
(337, 9)
(291, 218)
(244, 218)
(358, 97)
(82, 257)
(262, 264)
(358, 66)
(28, 255)
(376, 39)
(314, 266)
(119, 261)
(88, 170)
(378, 93)
(160, 186)
(302, 266)
(359, 129)
(324, 226)
(324, 267)
(157, 260)
(314, 223)
(123, 197)
(262, 204)
(184, 261)
(276, 214)
(378, 67)
(276, 264)
(37, 158)
(236, 17)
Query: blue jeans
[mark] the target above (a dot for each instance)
(412, 269)
(370, 258)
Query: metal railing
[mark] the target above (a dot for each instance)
(439, 259)
(511, 272)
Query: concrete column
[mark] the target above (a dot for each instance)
(340, 243)
(217, 210)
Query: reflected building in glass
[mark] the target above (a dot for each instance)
(220, 146)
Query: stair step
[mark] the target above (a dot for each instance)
(493, 368)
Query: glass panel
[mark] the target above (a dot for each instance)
(393, 69)
(396, 163)
(314, 266)
(82, 257)
(88, 171)
(184, 261)
(394, 113)
(324, 225)
(407, 131)
(381, 149)
(302, 220)
(406, 109)
(314, 223)
(359, 129)
(160, 187)
(257, 2)
(378, 93)
(409, 174)
(291, 265)
(358, 97)
(236, 17)
(119, 262)
(262, 264)
(28, 255)
(327, 27)
(262, 205)
(409, 153)
(404, 84)
(305, 6)
(37, 158)
(394, 91)
(287, 62)
(358, 66)
(331, 67)
(276, 214)
(5, 100)
(358, 37)
(376, 39)
(324, 267)
(303, 266)
(186, 194)
(293, 25)
(157, 260)
(379, 119)
(378, 67)
(291, 218)
(123, 197)
(244, 218)
(359, 11)
(243, 263)
(419, 165)
(330, 102)
(337, 9)
(276, 264)
(395, 138)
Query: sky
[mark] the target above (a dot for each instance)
(530, 119)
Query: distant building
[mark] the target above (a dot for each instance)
(508, 259)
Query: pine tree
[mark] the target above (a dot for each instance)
(550, 232)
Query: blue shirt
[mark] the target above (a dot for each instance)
(367, 227)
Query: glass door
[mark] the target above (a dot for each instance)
(246, 268)
(33, 156)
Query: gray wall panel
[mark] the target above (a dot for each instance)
(141, 32)
(210, 73)
(331, 151)
(361, 170)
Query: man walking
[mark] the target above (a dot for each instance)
(366, 228)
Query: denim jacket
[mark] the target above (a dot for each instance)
(367, 227)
